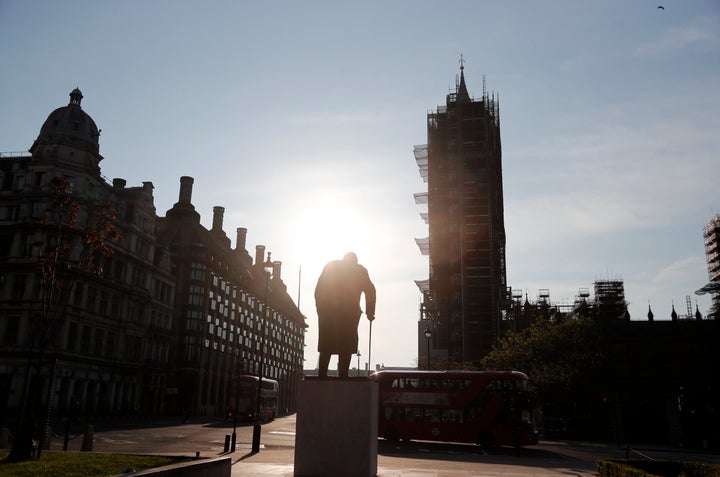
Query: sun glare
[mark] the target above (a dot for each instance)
(327, 228)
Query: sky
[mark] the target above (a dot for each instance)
(300, 119)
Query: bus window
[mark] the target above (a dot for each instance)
(431, 415)
(454, 416)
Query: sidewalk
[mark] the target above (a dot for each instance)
(279, 463)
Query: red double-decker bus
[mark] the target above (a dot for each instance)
(242, 398)
(490, 408)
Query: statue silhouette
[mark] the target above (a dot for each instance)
(337, 299)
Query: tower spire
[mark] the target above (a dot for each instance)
(462, 93)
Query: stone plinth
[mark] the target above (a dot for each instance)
(336, 430)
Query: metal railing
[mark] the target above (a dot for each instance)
(14, 154)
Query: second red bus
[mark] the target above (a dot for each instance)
(242, 401)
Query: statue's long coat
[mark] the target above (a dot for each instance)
(337, 298)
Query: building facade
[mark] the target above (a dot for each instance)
(466, 292)
(157, 325)
(233, 316)
(712, 254)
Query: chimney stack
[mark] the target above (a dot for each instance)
(241, 238)
(276, 270)
(217, 223)
(186, 185)
(259, 255)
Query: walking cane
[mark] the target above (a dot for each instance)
(370, 349)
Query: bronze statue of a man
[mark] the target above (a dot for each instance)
(337, 299)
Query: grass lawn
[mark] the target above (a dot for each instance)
(82, 464)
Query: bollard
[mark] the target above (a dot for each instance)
(197, 455)
(227, 443)
(87, 443)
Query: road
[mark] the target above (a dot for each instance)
(207, 437)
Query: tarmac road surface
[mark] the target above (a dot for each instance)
(406, 459)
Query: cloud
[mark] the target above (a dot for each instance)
(342, 118)
(703, 33)
(619, 170)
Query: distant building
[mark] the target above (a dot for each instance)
(466, 292)
(104, 343)
(173, 315)
(657, 380)
(232, 316)
(712, 254)
(607, 305)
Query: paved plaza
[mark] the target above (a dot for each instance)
(403, 459)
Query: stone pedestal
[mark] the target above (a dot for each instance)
(336, 430)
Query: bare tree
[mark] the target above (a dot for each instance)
(74, 235)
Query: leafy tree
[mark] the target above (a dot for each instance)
(564, 358)
(551, 352)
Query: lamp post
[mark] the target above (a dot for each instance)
(235, 376)
(428, 336)
(358, 357)
(257, 428)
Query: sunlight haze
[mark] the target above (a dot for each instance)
(300, 119)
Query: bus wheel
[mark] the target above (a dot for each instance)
(391, 434)
(485, 439)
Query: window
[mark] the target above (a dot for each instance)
(19, 182)
(12, 327)
(6, 241)
(72, 336)
(85, 339)
(78, 293)
(37, 178)
(19, 287)
(99, 338)
(115, 306)
(119, 271)
(91, 299)
(110, 345)
(103, 303)
(12, 212)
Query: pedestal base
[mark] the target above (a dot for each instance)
(336, 430)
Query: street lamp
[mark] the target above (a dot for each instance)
(236, 376)
(358, 357)
(428, 336)
(257, 428)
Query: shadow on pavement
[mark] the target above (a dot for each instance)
(525, 456)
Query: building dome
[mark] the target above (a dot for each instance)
(71, 125)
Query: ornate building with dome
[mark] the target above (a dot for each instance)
(157, 326)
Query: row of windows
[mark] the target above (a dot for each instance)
(422, 383)
(103, 343)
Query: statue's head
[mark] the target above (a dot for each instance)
(350, 257)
